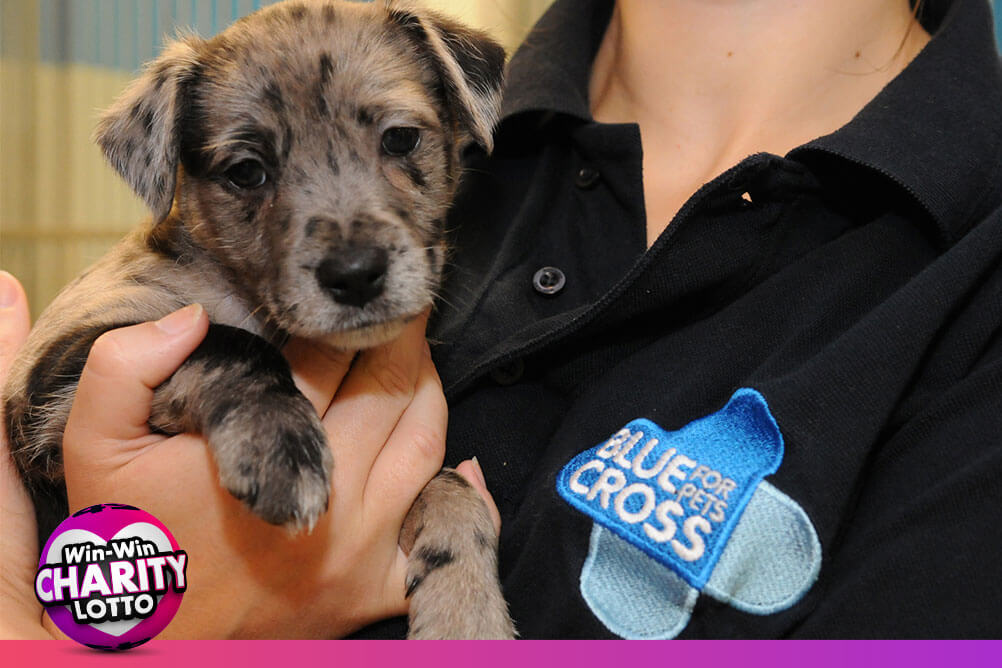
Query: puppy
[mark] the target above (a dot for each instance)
(299, 167)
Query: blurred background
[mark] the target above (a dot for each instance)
(61, 61)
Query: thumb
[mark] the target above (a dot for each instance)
(470, 469)
(14, 320)
(125, 365)
(19, 611)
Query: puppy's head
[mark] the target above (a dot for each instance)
(312, 150)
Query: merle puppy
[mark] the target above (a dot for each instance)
(299, 167)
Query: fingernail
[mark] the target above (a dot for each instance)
(479, 471)
(8, 290)
(181, 320)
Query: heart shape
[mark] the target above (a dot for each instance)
(142, 530)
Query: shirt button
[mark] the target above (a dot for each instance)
(510, 373)
(587, 178)
(549, 281)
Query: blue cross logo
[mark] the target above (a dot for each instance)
(684, 512)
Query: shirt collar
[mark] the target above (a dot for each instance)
(935, 130)
(550, 71)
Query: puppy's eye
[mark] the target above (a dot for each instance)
(401, 141)
(247, 174)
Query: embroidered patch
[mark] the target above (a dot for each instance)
(693, 501)
(677, 496)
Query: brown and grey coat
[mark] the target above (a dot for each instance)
(299, 167)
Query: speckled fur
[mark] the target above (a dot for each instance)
(307, 88)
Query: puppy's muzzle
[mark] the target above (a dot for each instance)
(355, 276)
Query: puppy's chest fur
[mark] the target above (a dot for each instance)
(299, 167)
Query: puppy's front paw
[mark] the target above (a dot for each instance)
(276, 460)
(269, 444)
(452, 570)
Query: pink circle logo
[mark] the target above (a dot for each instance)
(111, 576)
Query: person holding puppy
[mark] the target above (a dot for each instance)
(266, 575)
(713, 394)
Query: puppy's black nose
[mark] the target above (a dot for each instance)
(355, 276)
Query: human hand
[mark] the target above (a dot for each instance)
(20, 613)
(385, 420)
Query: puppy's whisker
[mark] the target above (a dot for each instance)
(250, 316)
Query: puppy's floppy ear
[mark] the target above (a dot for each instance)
(469, 63)
(139, 133)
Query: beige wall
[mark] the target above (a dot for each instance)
(61, 207)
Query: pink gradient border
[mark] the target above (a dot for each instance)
(552, 654)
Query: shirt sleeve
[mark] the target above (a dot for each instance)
(920, 555)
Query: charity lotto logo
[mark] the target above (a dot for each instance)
(111, 576)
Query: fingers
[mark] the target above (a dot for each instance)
(470, 469)
(124, 366)
(414, 452)
(317, 370)
(368, 405)
(396, 585)
(386, 426)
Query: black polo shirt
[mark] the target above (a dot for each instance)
(785, 417)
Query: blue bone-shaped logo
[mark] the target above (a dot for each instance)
(692, 500)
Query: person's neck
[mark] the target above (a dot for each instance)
(712, 81)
